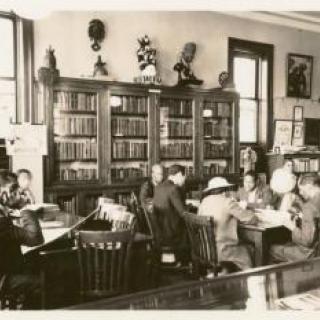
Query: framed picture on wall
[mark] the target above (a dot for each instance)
(299, 75)
(298, 113)
(297, 137)
(282, 133)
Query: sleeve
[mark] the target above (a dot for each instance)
(177, 201)
(146, 193)
(267, 197)
(30, 233)
(244, 216)
(304, 236)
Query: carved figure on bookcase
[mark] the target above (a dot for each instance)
(49, 73)
(99, 68)
(183, 66)
(50, 61)
(147, 61)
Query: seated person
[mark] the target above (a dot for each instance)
(252, 195)
(24, 178)
(13, 278)
(226, 213)
(283, 183)
(168, 210)
(147, 189)
(302, 226)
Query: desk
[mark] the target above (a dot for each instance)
(261, 236)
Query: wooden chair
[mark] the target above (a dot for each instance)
(316, 240)
(201, 234)
(104, 260)
(10, 302)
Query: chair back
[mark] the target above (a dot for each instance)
(201, 234)
(104, 259)
(316, 240)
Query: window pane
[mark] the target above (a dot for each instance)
(245, 76)
(7, 106)
(6, 48)
(248, 121)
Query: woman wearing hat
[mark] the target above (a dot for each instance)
(226, 213)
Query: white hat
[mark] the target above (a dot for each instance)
(282, 181)
(217, 183)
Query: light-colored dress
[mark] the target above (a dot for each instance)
(226, 213)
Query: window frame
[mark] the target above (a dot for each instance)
(239, 47)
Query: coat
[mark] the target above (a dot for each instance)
(146, 193)
(263, 197)
(226, 214)
(303, 243)
(168, 209)
(11, 237)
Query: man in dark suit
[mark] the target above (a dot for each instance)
(303, 226)
(168, 209)
(13, 277)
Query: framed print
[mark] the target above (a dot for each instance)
(297, 138)
(283, 133)
(299, 75)
(298, 113)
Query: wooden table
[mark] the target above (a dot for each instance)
(261, 236)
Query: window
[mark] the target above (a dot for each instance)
(250, 66)
(7, 73)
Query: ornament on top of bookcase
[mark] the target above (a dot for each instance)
(147, 62)
(183, 66)
(226, 82)
(49, 72)
(96, 32)
(99, 68)
(50, 61)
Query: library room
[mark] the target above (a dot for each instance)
(160, 159)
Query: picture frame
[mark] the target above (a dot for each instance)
(299, 75)
(298, 133)
(298, 113)
(283, 133)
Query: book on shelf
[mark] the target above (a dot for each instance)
(67, 204)
(122, 173)
(76, 150)
(177, 107)
(69, 174)
(216, 149)
(215, 169)
(129, 150)
(130, 104)
(71, 125)
(76, 101)
(305, 165)
(218, 109)
(176, 150)
(217, 128)
(129, 127)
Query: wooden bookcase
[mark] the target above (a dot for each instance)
(105, 136)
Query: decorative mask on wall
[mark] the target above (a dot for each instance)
(183, 66)
(96, 32)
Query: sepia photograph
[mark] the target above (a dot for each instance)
(160, 157)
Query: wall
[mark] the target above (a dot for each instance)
(67, 33)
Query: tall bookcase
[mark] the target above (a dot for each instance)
(105, 136)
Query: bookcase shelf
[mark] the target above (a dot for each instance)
(107, 135)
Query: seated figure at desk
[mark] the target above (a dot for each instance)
(13, 277)
(168, 211)
(303, 225)
(226, 213)
(147, 189)
(252, 195)
(24, 179)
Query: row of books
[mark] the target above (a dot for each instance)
(214, 169)
(91, 203)
(177, 107)
(306, 165)
(77, 101)
(218, 109)
(129, 127)
(129, 150)
(68, 174)
(174, 129)
(76, 150)
(188, 170)
(212, 149)
(75, 126)
(123, 198)
(216, 129)
(67, 204)
(130, 104)
(178, 150)
(128, 173)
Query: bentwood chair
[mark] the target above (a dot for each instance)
(104, 262)
(201, 232)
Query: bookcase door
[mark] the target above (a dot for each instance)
(219, 137)
(75, 134)
(176, 131)
(129, 139)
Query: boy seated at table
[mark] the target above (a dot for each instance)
(227, 213)
(24, 179)
(303, 224)
(252, 195)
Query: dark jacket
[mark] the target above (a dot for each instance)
(12, 236)
(146, 193)
(168, 208)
